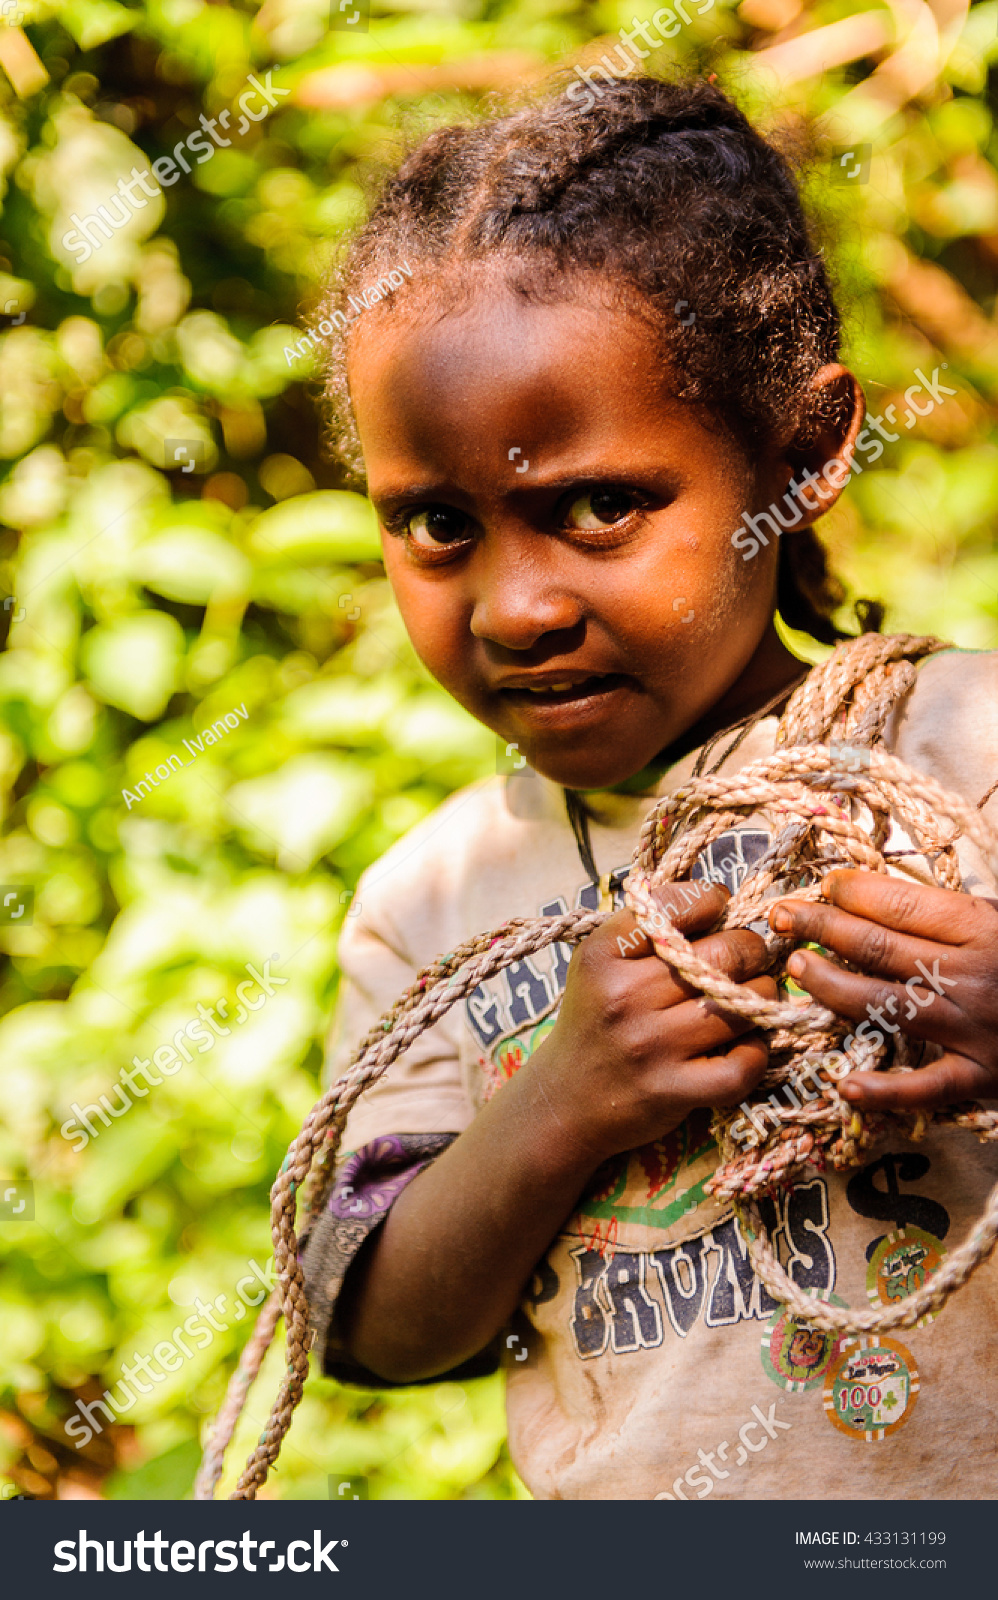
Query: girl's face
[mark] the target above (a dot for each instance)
(557, 531)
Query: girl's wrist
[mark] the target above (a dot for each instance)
(567, 1146)
(581, 1142)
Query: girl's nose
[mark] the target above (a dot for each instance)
(519, 598)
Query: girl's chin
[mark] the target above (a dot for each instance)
(582, 740)
(571, 770)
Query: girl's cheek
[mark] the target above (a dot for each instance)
(737, 602)
(402, 587)
(430, 621)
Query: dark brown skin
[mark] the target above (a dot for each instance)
(886, 926)
(506, 577)
(552, 575)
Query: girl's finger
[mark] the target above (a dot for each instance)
(633, 944)
(738, 953)
(915, 1008)
(725, 1080)
(942, 1083)
(870, 946)
(700, 1028)
(917, 908)
(698, 911)
(694, 906)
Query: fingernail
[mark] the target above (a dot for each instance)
(796, 964)
(781, 920)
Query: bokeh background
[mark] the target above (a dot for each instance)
(142, 602)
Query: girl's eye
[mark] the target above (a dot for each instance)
(600, 508)
(437, 527)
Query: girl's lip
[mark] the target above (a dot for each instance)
(559, 707)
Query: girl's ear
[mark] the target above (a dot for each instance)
(822, 465)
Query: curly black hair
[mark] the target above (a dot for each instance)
(663, 189)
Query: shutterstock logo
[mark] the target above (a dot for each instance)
(180, 1555)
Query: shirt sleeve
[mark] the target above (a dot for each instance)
(367, 1185)
(427, 1089)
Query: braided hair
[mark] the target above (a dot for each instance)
(662, 189)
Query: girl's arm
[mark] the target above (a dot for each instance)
(630, 1056)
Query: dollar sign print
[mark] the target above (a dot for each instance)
(888, 1204)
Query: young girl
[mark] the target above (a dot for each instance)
(586, 419)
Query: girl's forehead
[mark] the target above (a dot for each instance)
(578, 389)
(577, 368)
(485, 340)
(479, 315)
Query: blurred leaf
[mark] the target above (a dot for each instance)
(167, 1477)
(324, 526)
(94, 22)
(190, 564)
(302, 810)
(135, 663)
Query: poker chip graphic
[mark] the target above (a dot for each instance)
(871, 1387)
(900, 1265)
(795, 1354)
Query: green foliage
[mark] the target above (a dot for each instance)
(151, 601)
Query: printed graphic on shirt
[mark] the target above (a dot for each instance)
(543, 1285)
(795, 1354)
(521, 995)
(643, 1186)
(871, 1387)
(729, 859)
(900, 1264)
(626, 1299)
(900, 1261)
(875, 1192)
(511, 1054)
(518, 997)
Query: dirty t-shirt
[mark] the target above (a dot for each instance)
(647, 1361)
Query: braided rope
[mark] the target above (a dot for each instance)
(951, 1275)
(833, 806)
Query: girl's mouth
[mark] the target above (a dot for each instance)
(585, 693)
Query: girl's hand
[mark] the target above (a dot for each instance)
(634, 1049)
(940, 949)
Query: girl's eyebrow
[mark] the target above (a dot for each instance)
(666, 479)
(415, 491)
(394, 502)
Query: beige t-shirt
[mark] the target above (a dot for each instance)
(655, 1365)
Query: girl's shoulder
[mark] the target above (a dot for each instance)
(948, 725)
(488, 821)
(450, 829)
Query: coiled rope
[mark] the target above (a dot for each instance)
(832, 791)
